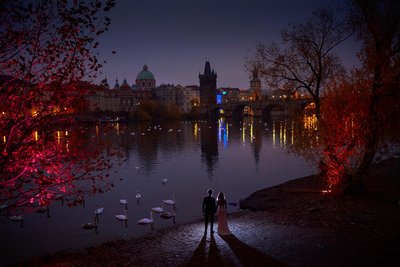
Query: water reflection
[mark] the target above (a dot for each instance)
(209, 145)
(158, 159)
(56, 164)
(147, 140)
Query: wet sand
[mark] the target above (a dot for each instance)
(292, 224)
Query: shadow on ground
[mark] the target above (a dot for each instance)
(245, 254)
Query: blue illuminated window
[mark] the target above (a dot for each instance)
(219, 99)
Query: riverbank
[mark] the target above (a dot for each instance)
(292, 224)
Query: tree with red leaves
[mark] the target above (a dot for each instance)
(45, 47)
(341, 130)
(377, 24)
(358, 123)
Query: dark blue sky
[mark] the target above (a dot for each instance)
(175, 37)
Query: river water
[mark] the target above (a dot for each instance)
(162, 159)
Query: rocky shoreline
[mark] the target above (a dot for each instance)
(291, 224)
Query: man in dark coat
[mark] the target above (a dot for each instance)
(209, 209)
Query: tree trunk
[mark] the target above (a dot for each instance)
(372, 137)
(317, 107)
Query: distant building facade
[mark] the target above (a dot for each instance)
(126, 98)
(185, 98)
(229, 94)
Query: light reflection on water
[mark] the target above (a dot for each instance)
(237, 158)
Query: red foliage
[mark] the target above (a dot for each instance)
(44, 47)
(344, 112)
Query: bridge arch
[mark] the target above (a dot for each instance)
(308, 105)
(273, 110)
(243, 110)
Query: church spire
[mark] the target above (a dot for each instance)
(207, 68)
(255, 73)
(116, 86)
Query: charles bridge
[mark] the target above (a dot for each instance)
(263, 108)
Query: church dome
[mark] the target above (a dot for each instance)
(145, 74)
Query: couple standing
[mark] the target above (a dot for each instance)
(210, 207)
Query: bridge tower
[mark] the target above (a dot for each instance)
(255, 85)
(208, 90)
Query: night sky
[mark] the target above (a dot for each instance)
(175, 37)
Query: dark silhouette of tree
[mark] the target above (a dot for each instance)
(305, 59)
(377, 24)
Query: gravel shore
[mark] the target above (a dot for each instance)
(292, 224)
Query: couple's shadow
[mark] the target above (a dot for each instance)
(247, 255)
(200, 257)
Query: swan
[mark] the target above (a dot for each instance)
(44, 210)
(122, 217)
(137, 168)
(167, 215)
(158, 209)
(3, 206)
(164, 180)
(138, 196)
(170, 130)
(124, 201)
(132, 133)
(89, 225)
(99, 211)
(16, 218)
(146, 220)
(170, 201)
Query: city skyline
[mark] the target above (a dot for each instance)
(175, 38)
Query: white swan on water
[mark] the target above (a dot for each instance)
(138, 195)
(123, 201)
(164, 180)
(170, 201)
(146, 220)
(99, 211)
(158, 209)
(122, 217)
